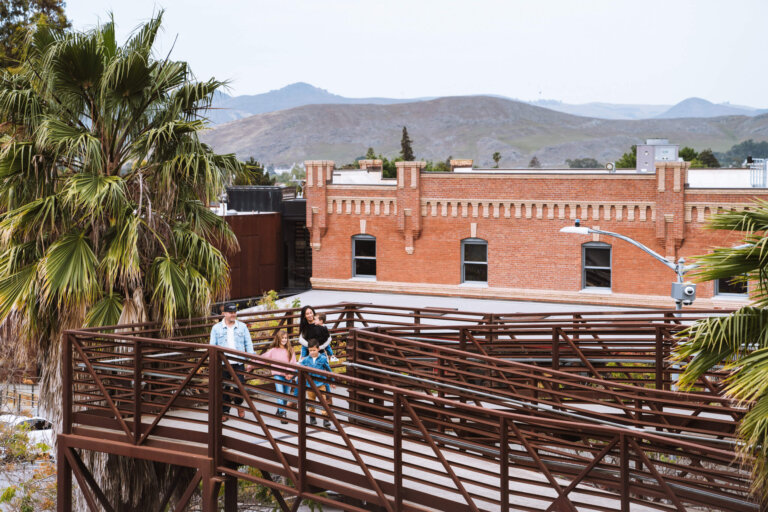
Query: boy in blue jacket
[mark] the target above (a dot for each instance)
(317, 361)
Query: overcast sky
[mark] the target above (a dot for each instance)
(575, 51)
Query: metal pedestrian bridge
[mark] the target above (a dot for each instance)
(433, 410)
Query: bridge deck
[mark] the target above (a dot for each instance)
(425, 419)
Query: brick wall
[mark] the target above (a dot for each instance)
(419, 224)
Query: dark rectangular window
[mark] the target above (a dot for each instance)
(474, 261)
(596, 266)
(730, 286)
(363, 256)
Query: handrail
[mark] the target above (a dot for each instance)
(173, 392)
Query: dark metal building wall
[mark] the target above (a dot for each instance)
(258, 266)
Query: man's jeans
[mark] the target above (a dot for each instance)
(237, 400)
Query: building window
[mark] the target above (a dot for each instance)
(731, 286)
(596, 268)
(363, 256)
(474, 261)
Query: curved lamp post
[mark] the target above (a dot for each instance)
(682, 292)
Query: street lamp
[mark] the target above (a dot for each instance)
(682, 292)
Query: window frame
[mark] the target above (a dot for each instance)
(355, 258)
(585, 268)
(473, 241)
(718, 293)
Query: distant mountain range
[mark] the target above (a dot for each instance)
(231, 108)
(466, 127)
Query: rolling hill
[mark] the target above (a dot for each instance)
(698, 107)
(230, 108)
(464, 127)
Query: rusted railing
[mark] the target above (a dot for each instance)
(414, 425)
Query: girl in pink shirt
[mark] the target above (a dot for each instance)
(281, 351)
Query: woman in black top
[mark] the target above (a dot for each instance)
(309, 330)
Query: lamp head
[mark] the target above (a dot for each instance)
(578, 230)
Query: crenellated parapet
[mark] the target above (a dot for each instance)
(700, 211)
(539, 209)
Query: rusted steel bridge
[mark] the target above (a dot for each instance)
(435, 409)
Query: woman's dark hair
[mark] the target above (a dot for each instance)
(303, 324)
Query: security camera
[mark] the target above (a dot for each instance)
(684, 292)
(577, 223)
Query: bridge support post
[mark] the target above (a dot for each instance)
(63, 480)
(230, 494)
(210, 487)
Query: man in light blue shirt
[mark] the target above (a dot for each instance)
(232, 334)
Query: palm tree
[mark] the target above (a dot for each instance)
(738, 340)
(496, 158)
(104, 193)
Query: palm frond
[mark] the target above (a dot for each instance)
(749, 381)
(72, 143)
(170, 297)
(753, 431)
(106, 311)
(38, 218)
(68, 271)
(121, 262)
(715, 340)
(17, 289)
(203, 222)
(92, 192)
(203, 257)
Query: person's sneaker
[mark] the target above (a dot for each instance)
(327, 423)
(282, 417)
(312, 420)
(334, 359)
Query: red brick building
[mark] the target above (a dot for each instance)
(496, 233)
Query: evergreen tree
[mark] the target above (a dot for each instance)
(370, 155)
(15, 18)
(254, 174)
(534, 163)
(406, 151)
(739, 152)
(583, 163)
(687, 153)
(628, 160)
(707, 159)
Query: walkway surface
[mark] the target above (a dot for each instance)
(322, 297)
